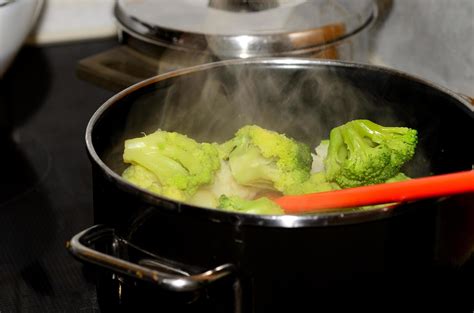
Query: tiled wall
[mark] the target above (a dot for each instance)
(433, 39)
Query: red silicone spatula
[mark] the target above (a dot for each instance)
(414, 189)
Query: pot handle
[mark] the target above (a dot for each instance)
(80, 246)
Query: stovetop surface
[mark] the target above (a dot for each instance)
(45, 186)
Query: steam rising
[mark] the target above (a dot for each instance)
(211, 105)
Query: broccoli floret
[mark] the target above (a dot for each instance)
(397, 178)
(364, 153)
(316, 183)
(140, 176)
(266, 159)
(179, 164)
(204, 197)
(261, 205)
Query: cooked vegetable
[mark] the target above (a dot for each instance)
(175, 165)
(143, 178)
(266, 159)
(261, 205)
(321, 152)
(397, 178)
(316, 183)
(257, 162)
(224, 184)
(364, 153)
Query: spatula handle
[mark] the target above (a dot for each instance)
(414, 189)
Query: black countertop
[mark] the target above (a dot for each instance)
(46, 192)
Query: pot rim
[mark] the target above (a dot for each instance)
(285, 221)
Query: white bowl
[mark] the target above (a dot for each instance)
(16, 20)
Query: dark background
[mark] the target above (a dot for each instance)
(45, 185)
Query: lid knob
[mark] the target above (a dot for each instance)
(243, 5)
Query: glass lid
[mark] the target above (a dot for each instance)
(241, 28)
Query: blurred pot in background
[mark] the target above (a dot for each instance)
(227, 29)
(160, 36)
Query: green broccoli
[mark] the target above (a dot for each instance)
(140, 176)
(261, 205)
(398, 177)
(316, 183)
(170, 164)
(364, 153)
(266, 159)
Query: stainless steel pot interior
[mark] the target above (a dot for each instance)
(300, 97)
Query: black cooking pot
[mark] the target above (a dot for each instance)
(165, 255)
